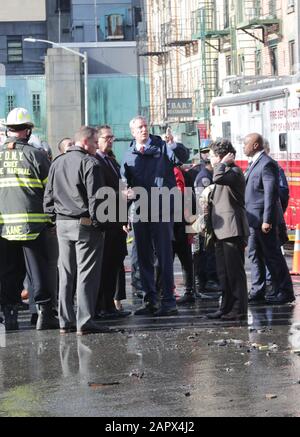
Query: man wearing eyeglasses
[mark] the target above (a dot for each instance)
(115, 238)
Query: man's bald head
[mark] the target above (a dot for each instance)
(253, 143)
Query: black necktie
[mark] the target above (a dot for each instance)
(110, 164)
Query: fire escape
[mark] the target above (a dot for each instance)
(177, 39)
(150, 45)
(210, 31)
(252, 17)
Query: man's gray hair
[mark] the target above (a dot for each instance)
(138, 117)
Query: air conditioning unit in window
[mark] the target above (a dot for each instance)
(190, 128)
(231, 85)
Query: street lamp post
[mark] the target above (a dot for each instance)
(85, 64)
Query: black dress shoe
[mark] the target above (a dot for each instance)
(212, 286)
(256, 299)
(115, 314)
(11, 317)
(146, 310)
(137, 293)
(123, 313)
(216, 315)
(64, 331)
(166, 312)
(208, 296)
(93, 329)
(279, 299)
(186, 299)
(233, 315)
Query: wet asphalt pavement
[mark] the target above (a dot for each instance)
(181, 366)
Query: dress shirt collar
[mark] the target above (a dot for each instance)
(103, 155)
(146, 145)
(256, 156)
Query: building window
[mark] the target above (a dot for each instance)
(216, 75)
(240, 12)
(10, 102)
(241, 59)
(292, 56)
(138, 18)
(258, 69)
(114, 26)
(226, 14)
(291, 6)
(187, 50)
(226, 130)
(63, 6)
(272, 8)
(274, 60)
(160, 59)
(228, 65)
(36, 108)
(195, 47)
(14, 49)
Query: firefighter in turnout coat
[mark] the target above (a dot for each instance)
(23, 224)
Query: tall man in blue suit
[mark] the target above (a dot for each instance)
(149, 164)
(263, 212)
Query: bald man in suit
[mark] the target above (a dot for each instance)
(263, 213)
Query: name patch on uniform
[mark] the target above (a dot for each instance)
(13, 230)
(12, 163)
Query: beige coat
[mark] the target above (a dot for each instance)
(228, 203)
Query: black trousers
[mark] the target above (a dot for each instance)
(113, 256)
(19, 257)
(183, 250)
(204, 264)
(156, 239)
(230, 257)
(264, 250)
(120, 293)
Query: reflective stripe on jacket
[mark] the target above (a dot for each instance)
(23, 176)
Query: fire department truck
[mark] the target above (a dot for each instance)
(273, 111)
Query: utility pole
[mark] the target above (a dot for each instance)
(59, 23)
(136, 38)
(96, 20)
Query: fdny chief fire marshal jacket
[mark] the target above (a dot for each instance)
(23, 176)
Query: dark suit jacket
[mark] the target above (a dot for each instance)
(262, 192)
(228, 204)
(111, 179)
